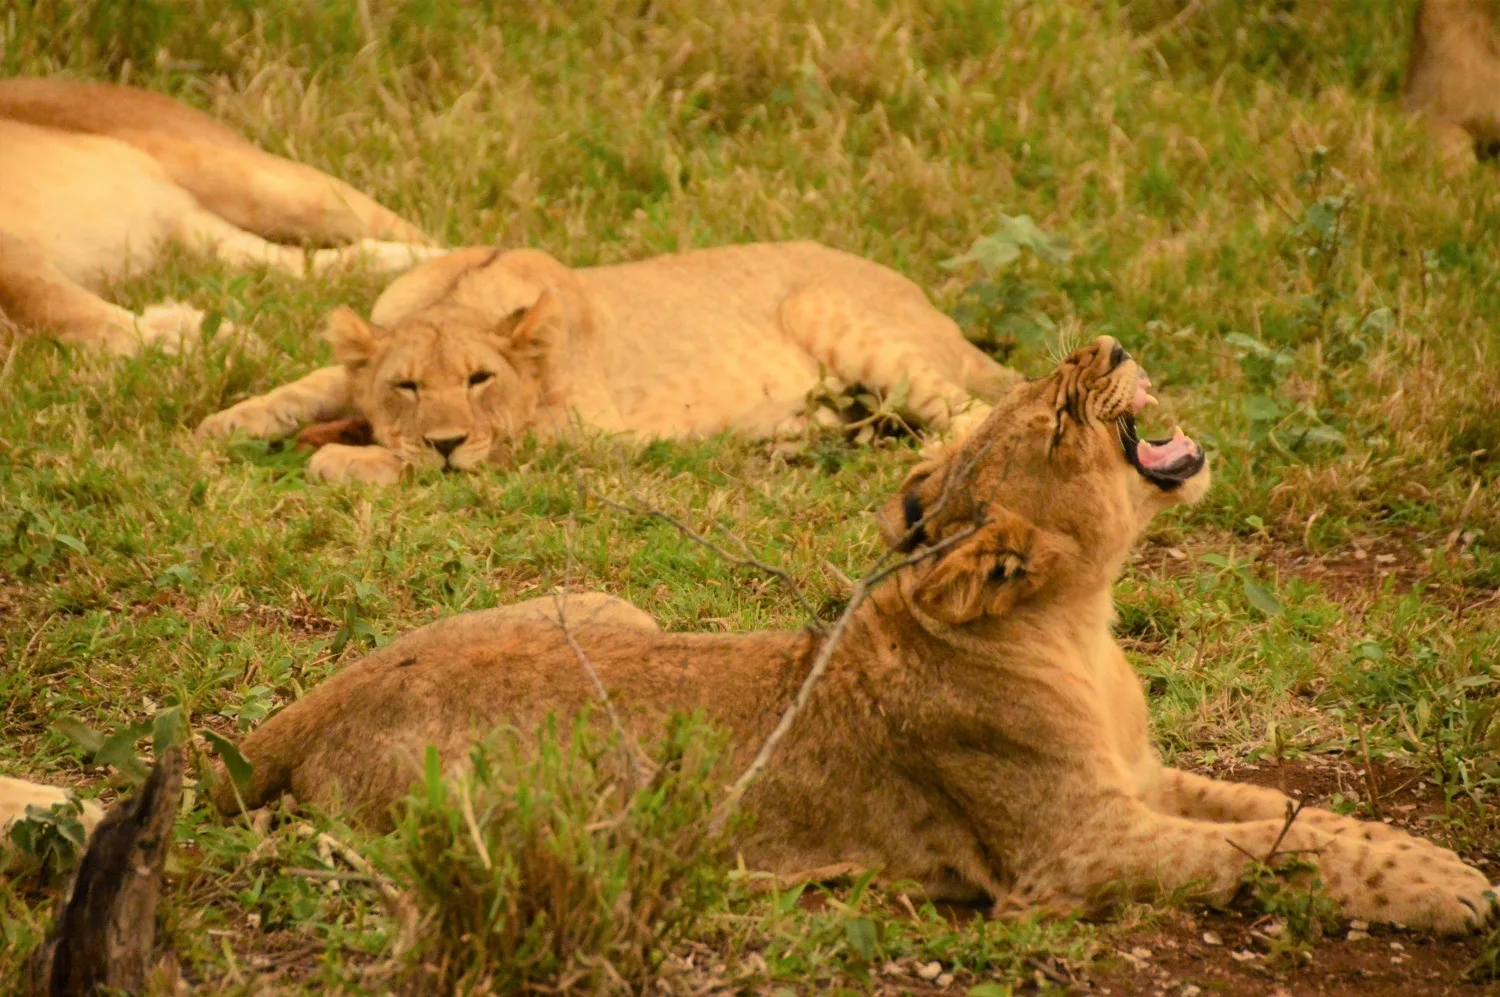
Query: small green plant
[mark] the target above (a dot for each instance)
(1486, 968)
(540, 870)
(998, 309)
(50, 839)
(1287, 887)
(1290, 891)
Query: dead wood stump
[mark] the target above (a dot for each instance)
(105, 925)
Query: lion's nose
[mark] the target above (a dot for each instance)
(445, 445)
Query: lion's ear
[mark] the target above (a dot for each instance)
(355, 341)
(985, 573)
(527, 341)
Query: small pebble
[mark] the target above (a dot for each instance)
(930, 971)
(1212, 938)
(944, 982)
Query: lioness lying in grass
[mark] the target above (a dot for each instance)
(465, 354)
(978, 730)
(95, 178)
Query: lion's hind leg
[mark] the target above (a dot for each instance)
(275, 198)
(1130, 849)
(35, 294)
(857, 346)
(241, 248)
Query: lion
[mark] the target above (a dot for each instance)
(978, 730)
(1453, 78)
(96, 178)
(464, 354)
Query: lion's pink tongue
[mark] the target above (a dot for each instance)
(1163, 455)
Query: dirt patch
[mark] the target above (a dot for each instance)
(1216, 953)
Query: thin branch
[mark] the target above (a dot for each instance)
(862, 590)
(1370, 786)
(560, 603)
(882, 570)
(1292, 812)
(1159, 32)
(748, 560)
(956, 478)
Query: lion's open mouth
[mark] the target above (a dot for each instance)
(1165, 463)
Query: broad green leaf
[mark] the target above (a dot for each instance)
(1259, 408)
(991, 990)
(118, 750)
(1261, 598)
(238, 765)
(166, 730)
(84, 736)
(1250, 343)
(861, 935)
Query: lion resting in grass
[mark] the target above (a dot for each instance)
(1454, 75)
(95, 178)
(464, 354)
(978, 730)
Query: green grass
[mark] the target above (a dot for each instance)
(1243, 203)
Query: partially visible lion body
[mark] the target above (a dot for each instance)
(725, 339)
(978, 730)
(1453, 78)
(95, 178)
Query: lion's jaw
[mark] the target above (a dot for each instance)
(1044, 501)
(445, 387)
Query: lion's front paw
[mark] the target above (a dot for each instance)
(1427, 890)
(338, 462)
(251, 417)
(389, 257)
(959, 428)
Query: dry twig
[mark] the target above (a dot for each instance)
(633, 758)
(1161, 31)
(747, 560)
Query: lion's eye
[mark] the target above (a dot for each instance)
(479, 377)
(411, 386)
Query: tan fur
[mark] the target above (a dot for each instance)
(95, 178)
(978, 730)
(1454, 75)
(685, 345)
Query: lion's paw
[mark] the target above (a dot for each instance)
(390, 257)
(1419, 890)
(251, 417)
(339, 462)
(171, 326)
(960, 427)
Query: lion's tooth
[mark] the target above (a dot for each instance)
(1151, 400)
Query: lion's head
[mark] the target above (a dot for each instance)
(448, 385)
(1056, 474)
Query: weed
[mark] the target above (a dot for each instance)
(537, 871)
(1289, 891)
